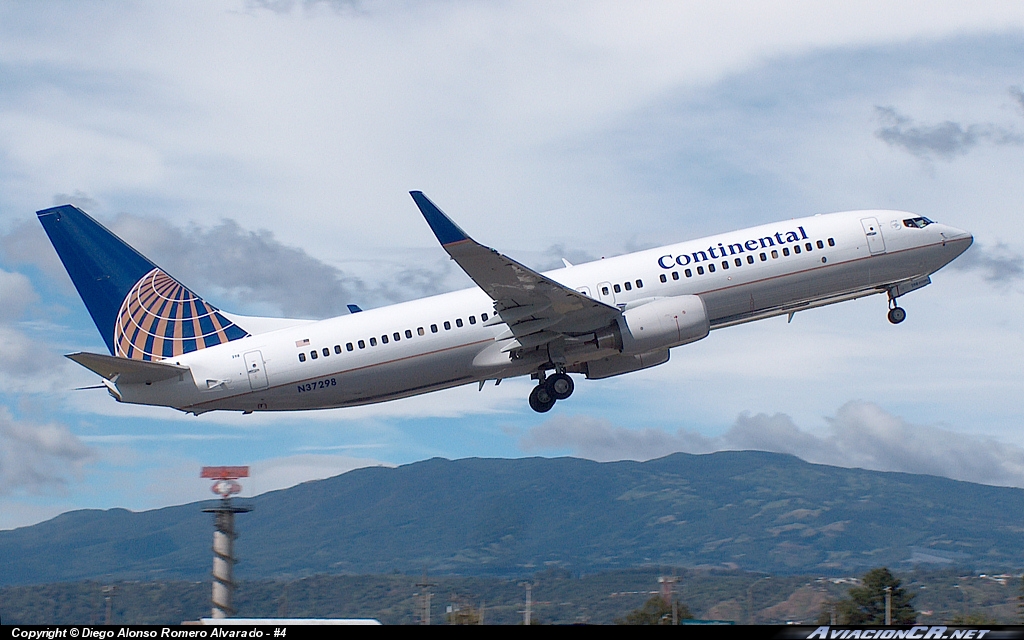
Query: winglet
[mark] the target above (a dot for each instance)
(447, 232)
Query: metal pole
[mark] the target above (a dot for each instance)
(223, 564)
(528, 615)
(108, 595)
(222, 597)
(888, 606)
(224, 535)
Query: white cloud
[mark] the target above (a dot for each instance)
(861, 435)
(174, 480)
(16, 295)
(38, 458)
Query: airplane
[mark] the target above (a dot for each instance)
(169, 347)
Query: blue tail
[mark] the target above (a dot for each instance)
(141, 312)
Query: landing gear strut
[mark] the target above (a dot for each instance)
(557, 387)
(897, 314)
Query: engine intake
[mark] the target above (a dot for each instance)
(663, 323)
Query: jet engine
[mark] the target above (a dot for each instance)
(662, 324)
(643, 335)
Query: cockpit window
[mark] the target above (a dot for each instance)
(917, 223)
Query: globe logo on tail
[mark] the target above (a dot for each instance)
(160, 318)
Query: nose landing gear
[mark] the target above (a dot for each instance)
(557, 387)
(897, 314)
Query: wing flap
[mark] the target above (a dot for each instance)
(126, 370)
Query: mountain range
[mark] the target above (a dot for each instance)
(505, 517)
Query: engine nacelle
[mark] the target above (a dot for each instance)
(663, 323)
(619, 364)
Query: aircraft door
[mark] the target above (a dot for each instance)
(256, 369)
(873, 232)
(605, 293)
(585, 291)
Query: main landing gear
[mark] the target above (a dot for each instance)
(897, 314)
(548, 390)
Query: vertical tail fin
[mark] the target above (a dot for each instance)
(141, 312)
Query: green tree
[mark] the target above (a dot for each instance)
(972, 619)
(656, 611)
(866, 604)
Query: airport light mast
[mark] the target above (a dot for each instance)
(225, 485)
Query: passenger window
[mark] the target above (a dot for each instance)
(420, 331)
(408, 333)
(337, 348)
(302, 357)
(796, 249)
(327, 352)
(312, 354)
(348, 346)
(362, 345)
(809, 246)
(775, 253)
(831, 242)
(711, 268)
(785, 251)
(725, 264)
(433, 328)
(397, 336)
(763, 257)
(373, 342)
(688, 273)
(472, 319)
(604, 291)
(663, 278)
(384, 339)
(750, 259)
(629, 286)
(821, 245)
(639, 284)
(700, 271)
(483, 316)
(458, 322)
(739, 263)
(675, 275)
(617, 288)
(447, 325)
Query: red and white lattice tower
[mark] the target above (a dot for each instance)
(225, 485)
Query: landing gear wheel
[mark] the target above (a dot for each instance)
(560, 386)
(541, 399)
(897, 315)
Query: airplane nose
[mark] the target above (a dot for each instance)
(956, 240)
(953, 234)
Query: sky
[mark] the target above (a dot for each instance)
(262, 153)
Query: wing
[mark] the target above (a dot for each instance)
(536, 308)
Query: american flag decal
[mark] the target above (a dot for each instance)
(160, 318)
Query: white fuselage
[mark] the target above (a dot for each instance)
(756, 273)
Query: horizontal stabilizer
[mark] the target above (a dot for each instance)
(127, 370)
